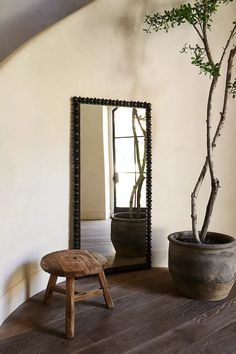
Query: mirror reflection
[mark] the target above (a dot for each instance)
(113, 182)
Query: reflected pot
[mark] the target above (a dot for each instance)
(202, 271)
(128, 236)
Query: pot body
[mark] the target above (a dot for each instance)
(202, 271)
(128, 236)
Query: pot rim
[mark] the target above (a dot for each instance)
(173, 239)
(116, 217)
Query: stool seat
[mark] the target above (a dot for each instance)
(74, 264)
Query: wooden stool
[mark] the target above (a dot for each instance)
(72, 264)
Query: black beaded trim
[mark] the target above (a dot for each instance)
(76, 173)
(76, 101)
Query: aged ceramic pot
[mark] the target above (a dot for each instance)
(202, 271)
(128, 236)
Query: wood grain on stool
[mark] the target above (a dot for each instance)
(106, 292)
(70, 307)
(51, 283)
(74, 264)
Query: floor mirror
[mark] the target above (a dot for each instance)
(111, 181)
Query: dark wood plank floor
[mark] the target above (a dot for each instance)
(149, 317)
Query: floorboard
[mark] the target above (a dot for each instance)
(149, 317)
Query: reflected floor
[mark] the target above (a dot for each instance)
(95, 236)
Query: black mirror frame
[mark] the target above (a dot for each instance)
(75, 174)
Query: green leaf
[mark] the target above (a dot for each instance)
(198, 13)
(232, 88)
(199, 59)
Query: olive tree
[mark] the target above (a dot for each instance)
(199, 14)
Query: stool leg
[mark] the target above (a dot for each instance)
(105, 288)
(51, 283)
(70, 307)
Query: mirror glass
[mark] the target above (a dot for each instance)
(113, 181)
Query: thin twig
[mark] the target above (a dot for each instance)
(205, 38)
(232, 33)
(198, 32)
(141, 166)
(226, 96)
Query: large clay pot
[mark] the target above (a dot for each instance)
(128, 235)
(202, 271)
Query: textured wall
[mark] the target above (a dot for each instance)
(101, 51)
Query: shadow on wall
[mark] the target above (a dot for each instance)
(130, 26)
(21, 20)
(19, 285)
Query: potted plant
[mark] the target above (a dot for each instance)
(202, 263)
(128, 229)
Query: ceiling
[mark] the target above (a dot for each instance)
(21, 20)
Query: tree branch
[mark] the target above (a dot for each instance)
(226, 96)
(216, 136)
(207, 164)
(232, 33)
(141, 165)
(215, 182)
(198, 32)
(210, 205)
(134, 116)
(205, 38)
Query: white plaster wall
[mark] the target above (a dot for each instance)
(100, 51)
(92, 174)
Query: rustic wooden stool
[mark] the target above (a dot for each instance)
(73, 264)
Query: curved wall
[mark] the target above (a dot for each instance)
(100, 51)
